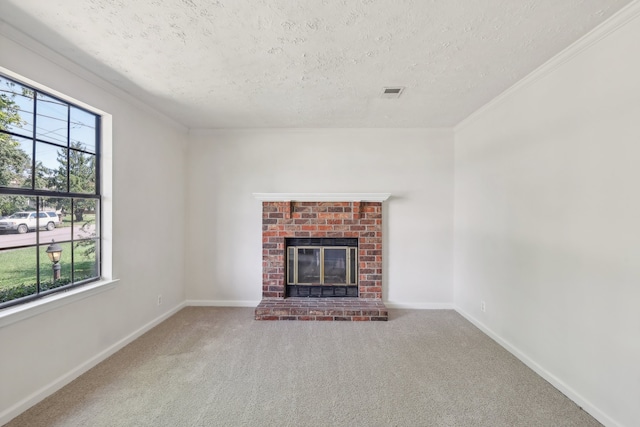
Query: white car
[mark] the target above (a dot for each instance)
(23, 222)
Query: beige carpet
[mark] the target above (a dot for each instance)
(219, 367)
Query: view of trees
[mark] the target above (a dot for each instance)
(72, 166)
(13, 160)
(48, 155)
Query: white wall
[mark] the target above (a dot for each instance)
(226, 167)
(547, 212)
(546, 232)
(43, 352)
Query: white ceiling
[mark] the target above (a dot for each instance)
(310, 63)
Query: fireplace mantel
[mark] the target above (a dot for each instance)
(322, 197)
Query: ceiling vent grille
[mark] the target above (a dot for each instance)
(392, 92)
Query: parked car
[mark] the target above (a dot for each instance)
(23, 222)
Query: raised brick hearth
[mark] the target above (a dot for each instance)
(327, 219)
(355, 309)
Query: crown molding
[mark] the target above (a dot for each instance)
(15, 35)
(616, 21)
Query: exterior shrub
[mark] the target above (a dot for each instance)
(26, 289)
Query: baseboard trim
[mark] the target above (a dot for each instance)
(65, 379)
(419, 306)
(221, 303)
(57, 384)
(244, 303)
(548, 376)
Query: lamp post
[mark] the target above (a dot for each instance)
(54, 251)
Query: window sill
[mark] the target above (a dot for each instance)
(21, 312)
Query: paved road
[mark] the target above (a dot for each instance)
(58, 234)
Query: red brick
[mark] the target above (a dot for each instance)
(317, 312)
(322, 219)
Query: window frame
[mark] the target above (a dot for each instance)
(33, 304)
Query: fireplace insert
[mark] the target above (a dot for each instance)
(322, 267)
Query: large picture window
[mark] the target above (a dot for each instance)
(49, 194)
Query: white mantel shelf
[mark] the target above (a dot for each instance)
(322, 197)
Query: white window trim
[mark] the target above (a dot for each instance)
(20, 312)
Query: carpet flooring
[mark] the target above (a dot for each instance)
(218, 367)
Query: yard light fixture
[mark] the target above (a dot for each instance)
(54, 251)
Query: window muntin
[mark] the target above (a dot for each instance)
(49, 167)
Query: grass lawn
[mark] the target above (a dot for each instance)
(66, 220)
(19, 266)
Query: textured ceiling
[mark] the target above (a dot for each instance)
(309, 63)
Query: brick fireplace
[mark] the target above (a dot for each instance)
(287, 217)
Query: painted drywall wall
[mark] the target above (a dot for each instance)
(224, 232)
(39, 353)
(546, 223)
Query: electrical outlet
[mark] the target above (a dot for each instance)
(483, 308)
(160, 300)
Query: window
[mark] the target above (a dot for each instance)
(50, 198)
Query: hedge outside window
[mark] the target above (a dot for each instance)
(49, 192)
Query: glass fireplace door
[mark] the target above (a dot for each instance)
(321, 265)
(335, 266)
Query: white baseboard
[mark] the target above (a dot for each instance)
(65, 379)
(57, 384)
(552, 379)
(221, 303)
(419, 306)
(389, 304)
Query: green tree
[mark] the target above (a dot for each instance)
(15, 164)
(82, 176)
(45, 177)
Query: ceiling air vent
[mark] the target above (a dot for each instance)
(392, 92)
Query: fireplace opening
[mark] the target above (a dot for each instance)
(322, 267)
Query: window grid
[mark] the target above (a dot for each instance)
(82, 198)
